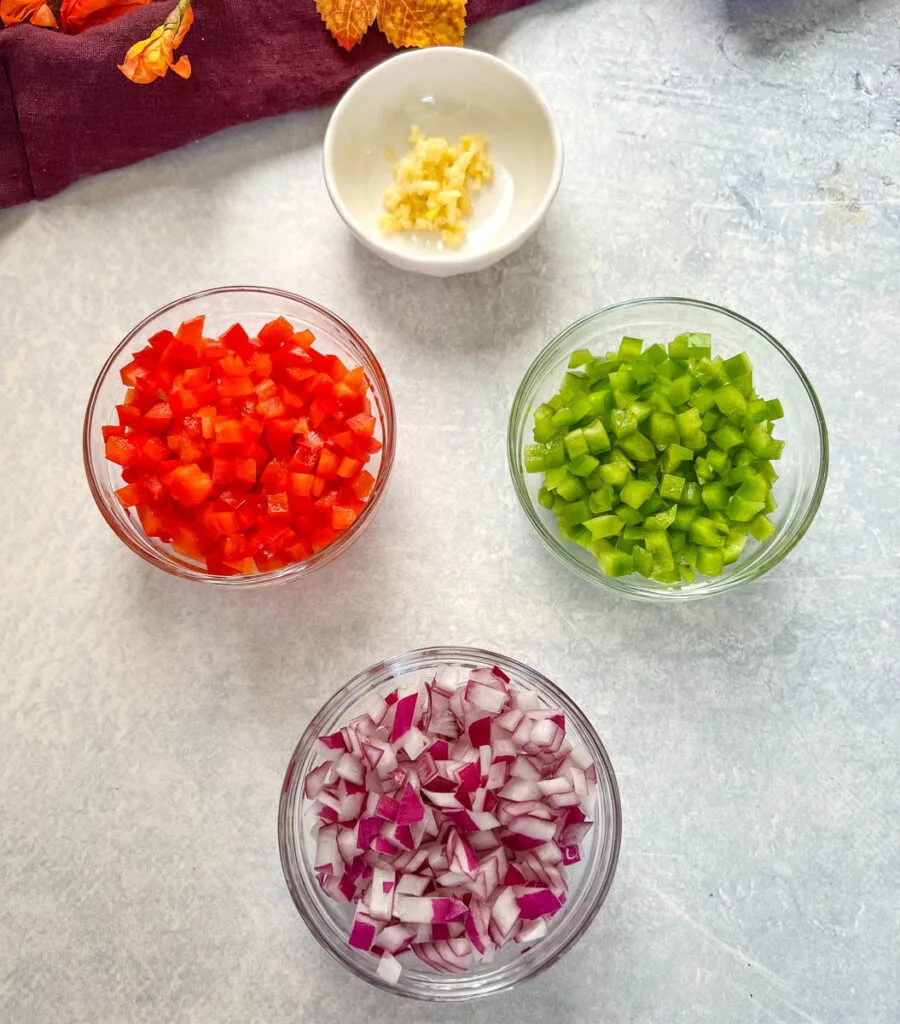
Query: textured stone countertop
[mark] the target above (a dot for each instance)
(742, 151)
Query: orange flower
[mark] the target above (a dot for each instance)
(36, 11)
(151, 58)
(77, 15)
(404, 22)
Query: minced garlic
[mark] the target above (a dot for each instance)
(432, 183)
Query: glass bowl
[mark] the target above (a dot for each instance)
(802, 469)
(222, 307)
(589, 880)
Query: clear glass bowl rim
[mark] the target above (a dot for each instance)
(315, 561)
(714, 585)
(594, 886)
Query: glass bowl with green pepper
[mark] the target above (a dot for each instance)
(667, 448)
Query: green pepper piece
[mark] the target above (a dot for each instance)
(596, 438)
(583, 466)
(599, 402)
(703, 399)
(663, 429)
(634, 533)
(703, 469)
(576, 512)
(680, 389)
(542, 457)
(742, 510)
(636, 492)
(602, 499)
(696, 442)
(623, 544)
(710, 561)
(574, 385)
(545, 498)
(707, 532)
(641, 410)
(756, 410)
(774, 410)
(622, 379)
(630, 349)
(656, 354)
(728, 437)
(762, 528)
(623, 399)
(691, 494)
(623, 422)
(595, 481)
(658, 546)
(701, 344)
(638, 447)
(719, 461)
(642, 560)
(689, 555)
(617, 564)
(616, 470)
(661, 403)
(744, 385)
(604, 526)
(554, 477)
(672, 575)
(580, 357)
(629, 516)
(754, 488)
(571, 489)
(767, 472)
(731, 403)
(685, 515)
(687, 573)
(679, 347)
(598, 370)
(674, 455)
(576, 443)
(734, 545)
(660, 520)
(770, 505)
(715, 495)
(671, 486)
(563, 417)
(737, 366)
(670, 369)
(689, 423)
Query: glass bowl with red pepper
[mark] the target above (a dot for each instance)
(240, 436)
(449, 824)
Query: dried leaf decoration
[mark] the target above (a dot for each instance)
(152, 58)
(404, 22)
(13, 12)
(77, 15)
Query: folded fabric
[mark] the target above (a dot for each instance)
(67, 112)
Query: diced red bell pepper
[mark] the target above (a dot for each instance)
(234, 450)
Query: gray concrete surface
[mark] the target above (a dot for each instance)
(743, 152)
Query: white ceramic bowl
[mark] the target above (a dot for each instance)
(446, 91)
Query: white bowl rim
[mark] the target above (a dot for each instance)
(440, 259)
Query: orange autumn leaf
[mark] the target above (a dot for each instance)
(77, 15)
(404, 22)
(153, 57)
(13, 12)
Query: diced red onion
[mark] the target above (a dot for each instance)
(449, 810)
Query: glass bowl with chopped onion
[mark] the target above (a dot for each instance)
(667, 449)
(449, 824)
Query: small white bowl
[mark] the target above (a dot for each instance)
(446, 91)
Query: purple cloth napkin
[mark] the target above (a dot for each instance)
(66, 111)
